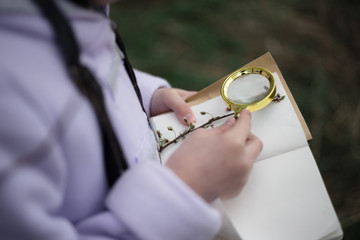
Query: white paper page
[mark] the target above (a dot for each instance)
(227, 230)
(285, 198)
(276, 125)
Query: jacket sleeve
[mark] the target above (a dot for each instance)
(155, 204)
(147, 202)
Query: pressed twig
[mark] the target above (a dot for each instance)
(278, 98)
(164, 143)
(191, 129)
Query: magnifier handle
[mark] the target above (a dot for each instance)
(238, 111)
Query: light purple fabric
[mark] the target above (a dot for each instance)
(52, 179)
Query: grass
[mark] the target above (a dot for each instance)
(315, 43)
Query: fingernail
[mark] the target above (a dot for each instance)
(190, 118)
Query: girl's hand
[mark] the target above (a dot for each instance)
(217, 162)
(166, 99)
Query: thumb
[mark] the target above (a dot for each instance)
(227, 125)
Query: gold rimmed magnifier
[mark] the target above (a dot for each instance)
(250, 88)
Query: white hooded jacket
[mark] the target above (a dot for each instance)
(52, 177)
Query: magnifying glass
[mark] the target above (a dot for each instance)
(250, 88)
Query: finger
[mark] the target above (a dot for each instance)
(181, 109)
(228, 124)
(241, 128)
(251, 136)
(254, 146)
(184, 93)
(189, 94)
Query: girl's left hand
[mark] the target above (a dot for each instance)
(166, 99)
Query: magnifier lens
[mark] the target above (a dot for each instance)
(250, 88)
(247, 89)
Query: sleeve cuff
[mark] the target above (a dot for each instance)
(155, 204)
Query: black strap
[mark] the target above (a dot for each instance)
(128, 66)
(115, 163)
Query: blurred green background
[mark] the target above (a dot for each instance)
(316, 44)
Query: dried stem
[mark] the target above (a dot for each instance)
(192, 127)
(189, 130)
(278, 98)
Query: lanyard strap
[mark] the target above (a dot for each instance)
(115, 162)
(128, 67)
